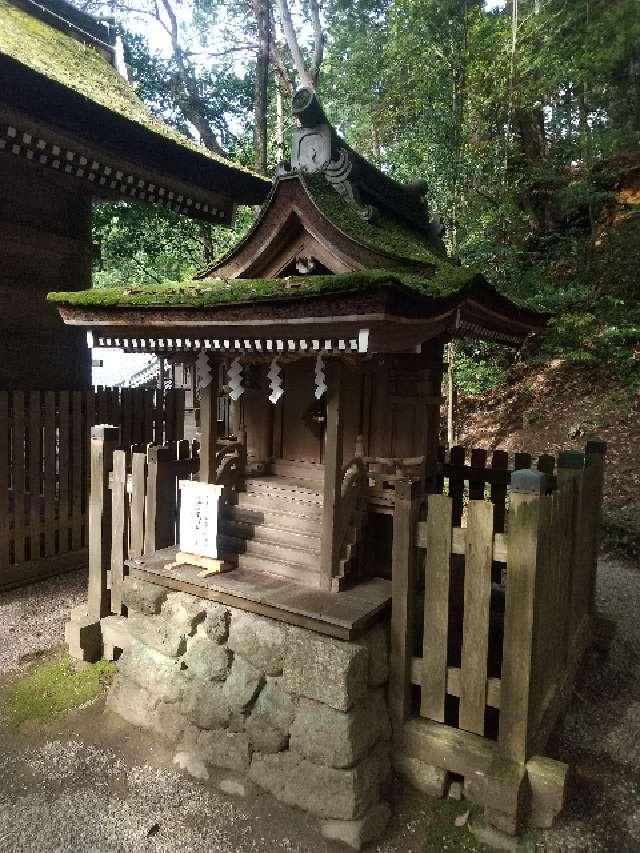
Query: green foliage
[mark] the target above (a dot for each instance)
(50, 689)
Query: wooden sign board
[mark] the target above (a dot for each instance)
(199, 518)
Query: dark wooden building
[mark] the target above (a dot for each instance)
(72, 129)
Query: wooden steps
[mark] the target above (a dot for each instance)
(276, 527)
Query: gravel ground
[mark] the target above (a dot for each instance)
(32, 618)
(89, 782)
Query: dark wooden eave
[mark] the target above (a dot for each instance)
(395, 318)
(58, 113)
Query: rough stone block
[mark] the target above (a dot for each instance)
(475, 788)
(168, 721)
(323, 791)
(205, 659)
(192, 764)
(132, 703)
(358, 833)
(144, 597)
(221, 748)
(206, 705)
(506, 795)
(259, 640)
(233, 787)
(377, 643)
(216, 622)
(184, 611)
(325, 735)
(159, 634)
(325, 669)
(83, 637)
(242, 684)
(425, 777)
(153, 671)
(548, 786)
(118, 632)
(270, 721)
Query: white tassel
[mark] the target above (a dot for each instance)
(321, 379)
(275, 381)
(236, 388)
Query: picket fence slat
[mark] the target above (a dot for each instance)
(49, 458)
(35, 474)
(477, 597)
(436, 607)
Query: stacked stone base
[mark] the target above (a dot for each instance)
(302, 715)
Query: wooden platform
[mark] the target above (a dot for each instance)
(343, 615)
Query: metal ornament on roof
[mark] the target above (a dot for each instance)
(203, 370)
(234, 376)
(321, 379)
(275, 381)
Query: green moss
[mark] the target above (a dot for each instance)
(50, 689)
(211, 292)
(82, 69)
(385, 233)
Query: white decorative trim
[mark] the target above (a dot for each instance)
(275, 381)
(236, 388)
(321, 379)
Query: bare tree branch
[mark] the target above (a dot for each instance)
(293, 45)
(318, 39)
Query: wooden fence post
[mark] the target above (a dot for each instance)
(524, 526)
(403, 595)
(119, 528)
(104, 440)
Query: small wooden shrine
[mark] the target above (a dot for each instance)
(72, 129)
(325, 326)
(451, 629)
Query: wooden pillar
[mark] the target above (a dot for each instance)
(332, 469)
(104, 441)
(525, 556)
(209, 427)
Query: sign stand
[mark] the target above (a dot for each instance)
(199, 504)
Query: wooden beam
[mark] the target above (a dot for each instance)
(332, 469)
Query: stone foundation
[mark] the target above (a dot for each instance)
(304, 716)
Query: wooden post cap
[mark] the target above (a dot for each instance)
(573, 459)
(596, 445)
(525, 481)
(106, 432)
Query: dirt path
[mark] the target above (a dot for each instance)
(89, 782)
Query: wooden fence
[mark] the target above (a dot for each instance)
(491, 619)
(45, 468)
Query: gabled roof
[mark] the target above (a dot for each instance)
(385, 277)
(59, 73)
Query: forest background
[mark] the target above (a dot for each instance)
(522, 116)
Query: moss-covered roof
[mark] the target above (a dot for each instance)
(213, 292)
(385, 233)
(84, 70)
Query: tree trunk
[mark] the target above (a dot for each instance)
(279, 125)
(261, 11)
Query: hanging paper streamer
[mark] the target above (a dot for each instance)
(321, 379)
(234, 377)
(275, 381)
(203, 370)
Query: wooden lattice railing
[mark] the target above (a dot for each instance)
(491, 619)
